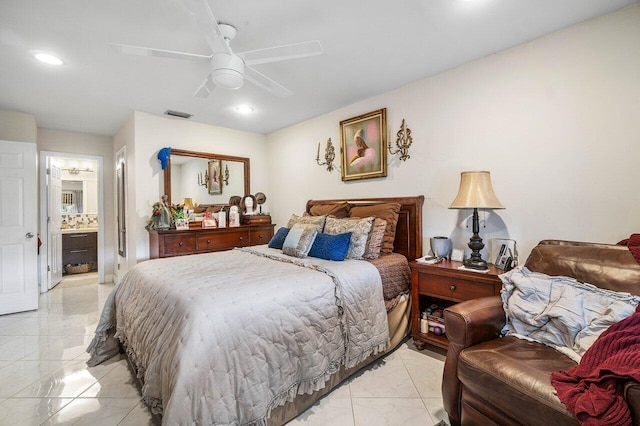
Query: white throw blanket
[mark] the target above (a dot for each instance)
(223, 338)
(560, 311)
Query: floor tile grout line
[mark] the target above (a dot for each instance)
(13, 396)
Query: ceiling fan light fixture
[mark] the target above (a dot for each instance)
(227, 71)
(227, 79)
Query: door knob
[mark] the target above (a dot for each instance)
(29, 235)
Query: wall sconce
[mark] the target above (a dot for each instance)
(403, 142)
(226, 174)
(203, 180)
(329, 155)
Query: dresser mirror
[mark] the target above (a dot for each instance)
(205, 177)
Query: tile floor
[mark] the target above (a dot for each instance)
(44, 379)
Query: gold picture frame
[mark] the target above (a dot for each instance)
(214, 185)
(363, 146)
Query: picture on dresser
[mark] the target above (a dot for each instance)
(215, 178)
(182, 224)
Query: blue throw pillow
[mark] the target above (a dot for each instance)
(331, 247)
(278, 240)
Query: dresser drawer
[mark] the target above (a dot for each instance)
(261, 236)
(179, 244)
(222, 240)
(453, 288)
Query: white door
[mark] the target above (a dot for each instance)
(18, 227)
(54, 219)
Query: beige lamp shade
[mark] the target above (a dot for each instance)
(188, 203)
(476, 191)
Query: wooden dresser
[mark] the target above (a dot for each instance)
(171, 242)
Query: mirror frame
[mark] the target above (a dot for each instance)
(209, 156)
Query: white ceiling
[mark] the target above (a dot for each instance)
(370, 47)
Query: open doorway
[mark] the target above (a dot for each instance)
(71, 228)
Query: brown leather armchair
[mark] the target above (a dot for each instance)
(490, 379)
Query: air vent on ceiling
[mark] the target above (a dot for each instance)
(178, 114)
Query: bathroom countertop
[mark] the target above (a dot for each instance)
(78, 230)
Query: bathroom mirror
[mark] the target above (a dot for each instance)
(187, 173)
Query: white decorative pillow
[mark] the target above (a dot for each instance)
(359, 228)
(318, 221)
(559, 311)
(299, 240)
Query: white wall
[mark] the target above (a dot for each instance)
(18, 126)
(96, 145)
(153, 133)
(556, 121)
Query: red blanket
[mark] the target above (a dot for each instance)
(633, 243)
(592, 390)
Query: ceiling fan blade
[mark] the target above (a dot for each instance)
(282, 53)
(205, 88)
(206, 21)
(160, 53)
(265, 82)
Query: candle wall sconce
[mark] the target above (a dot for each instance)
(329, 155)
(226, 174)
(203, 178)
(403, 142)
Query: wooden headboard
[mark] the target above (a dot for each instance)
(409, 229)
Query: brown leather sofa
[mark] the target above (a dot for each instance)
(490, 379)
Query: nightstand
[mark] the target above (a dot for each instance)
(444, 284)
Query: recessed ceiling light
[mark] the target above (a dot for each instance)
(244, 109)
(48, 59)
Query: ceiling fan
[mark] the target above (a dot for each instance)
(228, 69)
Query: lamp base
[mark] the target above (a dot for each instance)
(476, 244)
(476, 264)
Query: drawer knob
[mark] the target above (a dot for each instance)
(240, 238)
(208, 241)
(180, 243)
(260, 236)
(452, 288)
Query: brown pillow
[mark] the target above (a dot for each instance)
(340, 210)
(376, 237)
(388, 212)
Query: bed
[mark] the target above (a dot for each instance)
(252, 336)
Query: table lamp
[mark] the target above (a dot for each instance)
(476, 192)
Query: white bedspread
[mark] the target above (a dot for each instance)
(223, 338)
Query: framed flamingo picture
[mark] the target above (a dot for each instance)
(214, 173)
(363, 142)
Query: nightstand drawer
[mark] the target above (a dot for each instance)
(180, 244)
(453, 288)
